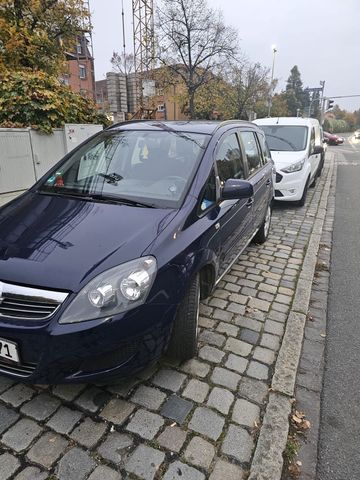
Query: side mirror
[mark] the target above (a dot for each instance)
(318, 149)
(235, 189)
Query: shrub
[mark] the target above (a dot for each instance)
(38, 100)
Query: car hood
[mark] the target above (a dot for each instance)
(283, 159)
(61, 242)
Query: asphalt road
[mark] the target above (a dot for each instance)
(340, 404)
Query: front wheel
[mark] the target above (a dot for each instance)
(263, 232)
(184, 337)
(302, 200)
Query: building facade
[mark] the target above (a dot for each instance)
(79, 73)
(118, 95)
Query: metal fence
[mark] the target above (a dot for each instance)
(25, 154)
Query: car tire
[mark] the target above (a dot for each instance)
(302, 200)
(263, 232)
(183, 343)
(321, 166)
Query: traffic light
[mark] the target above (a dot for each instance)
(330, 104)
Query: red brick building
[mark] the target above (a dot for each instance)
(79, 74)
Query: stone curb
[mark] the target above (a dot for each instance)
(268, 461)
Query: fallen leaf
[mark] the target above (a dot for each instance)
(299, 414)
(305, 424)
(296, 419)
(294, 470)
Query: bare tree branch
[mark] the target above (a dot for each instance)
(193, 42)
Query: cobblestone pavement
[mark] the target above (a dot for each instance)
(188, 421)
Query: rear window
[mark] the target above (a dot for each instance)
(285, 138)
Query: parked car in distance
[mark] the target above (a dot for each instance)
(298, 154)
(357, 134)
(103, 262)
(332, 139)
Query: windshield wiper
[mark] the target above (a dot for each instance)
(61, 192)
(121, 200)
(111, 178)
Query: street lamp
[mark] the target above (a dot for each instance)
(274, 50)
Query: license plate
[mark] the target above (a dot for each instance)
(9, 351)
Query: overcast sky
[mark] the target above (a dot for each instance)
(320, 36)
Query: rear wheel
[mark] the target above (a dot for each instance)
(263, 232)
(184, 337)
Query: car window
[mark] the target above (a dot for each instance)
(208, 198)
(154, 167)
(286, 138)
(264, 147)
(229, 160)
(251, 151)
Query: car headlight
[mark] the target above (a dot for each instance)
(117, 290)
(295, 167)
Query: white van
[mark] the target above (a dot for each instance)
(298, 154)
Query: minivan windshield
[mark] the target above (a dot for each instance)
(285, 138)
(143, 168)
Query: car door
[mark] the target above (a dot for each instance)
(314, 159)
(234, 215)
(259, 174)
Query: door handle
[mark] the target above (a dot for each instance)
(249, 202)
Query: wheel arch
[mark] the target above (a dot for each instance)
(207, 280)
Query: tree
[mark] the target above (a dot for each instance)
(34, 37)
(212, 101)
(297, 97)
(39, 100)
(35, 34)
(250, 84)
(279, 106)
(193, 42)
(123, 63)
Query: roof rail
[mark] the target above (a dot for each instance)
(126, 122)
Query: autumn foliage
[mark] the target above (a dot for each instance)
(40, 101)
(34, 36)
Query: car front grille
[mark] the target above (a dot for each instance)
(278, 193)
(17, 302)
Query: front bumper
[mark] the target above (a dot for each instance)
(96, 350)
(289, 187)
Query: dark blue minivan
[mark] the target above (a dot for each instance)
(103, 262)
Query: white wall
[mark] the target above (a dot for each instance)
(26, 155)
